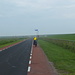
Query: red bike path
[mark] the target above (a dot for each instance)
(40, 64)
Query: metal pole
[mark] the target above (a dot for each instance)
(37, 33)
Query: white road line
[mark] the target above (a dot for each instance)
(32, 48)
(30, 54)
(31, 51)
(30, 62)
(30, 57)
(29, 68)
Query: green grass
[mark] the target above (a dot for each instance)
(9, 41)
(63, 59)
(63, 36)
(1, 46)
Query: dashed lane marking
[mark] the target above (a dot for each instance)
(30, 57)
(30, 54)
(29, 68)
(29, 62)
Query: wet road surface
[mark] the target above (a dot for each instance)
(14, 60)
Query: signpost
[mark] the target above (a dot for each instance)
(37, 32)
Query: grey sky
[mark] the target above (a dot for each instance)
(22, 17)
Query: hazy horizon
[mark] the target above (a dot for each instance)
(22, 17)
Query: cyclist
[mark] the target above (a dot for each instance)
(35, 41)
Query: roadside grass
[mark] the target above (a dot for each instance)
(64, 60)
(69, 45)
(3, 45)
(63, 36)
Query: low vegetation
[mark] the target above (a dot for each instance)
(60, 49)
(67, 44)
(8, 41)
(66, 41)
(63, 59)
(63, 36)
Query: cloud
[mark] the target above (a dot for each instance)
(69, 6)
(55, 7)
(1, 15)
(69, 15)
(41, 3)
(34, 3)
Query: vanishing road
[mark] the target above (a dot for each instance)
(15, 60)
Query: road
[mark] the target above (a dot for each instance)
(14, 60)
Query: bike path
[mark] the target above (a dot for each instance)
(40, 65)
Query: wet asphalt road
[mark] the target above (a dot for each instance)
(14, 60)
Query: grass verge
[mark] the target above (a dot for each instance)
(63, 60)
(1, 46)
(63, 36)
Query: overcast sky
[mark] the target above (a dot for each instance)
(22, 17)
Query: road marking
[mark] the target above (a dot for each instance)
(29, 68)
(30, 62)
(30, 57)
(30, 54)
(31, 50)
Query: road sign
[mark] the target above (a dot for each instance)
(36, 29)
